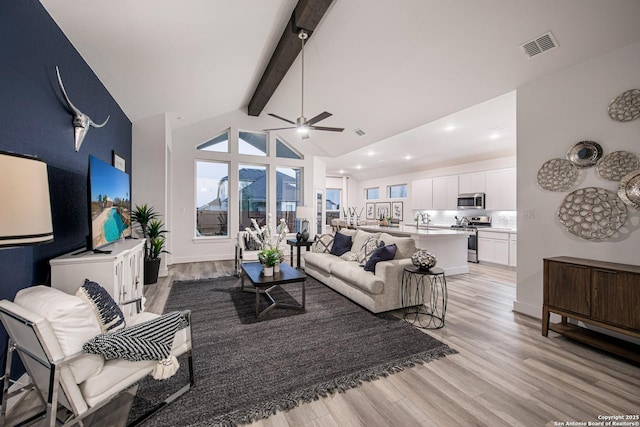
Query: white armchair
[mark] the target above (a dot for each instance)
(45, 327)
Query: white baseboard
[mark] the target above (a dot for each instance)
(202, 258)
(528, 309)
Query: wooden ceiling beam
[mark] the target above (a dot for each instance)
(306, 15)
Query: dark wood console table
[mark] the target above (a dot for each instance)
(604, 294)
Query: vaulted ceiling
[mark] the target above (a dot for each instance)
(431, 80)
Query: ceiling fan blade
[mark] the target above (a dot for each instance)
(290, 127)
(282, 118)
(327, 128)
(319, 117)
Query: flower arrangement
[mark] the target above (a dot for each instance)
(270, 252)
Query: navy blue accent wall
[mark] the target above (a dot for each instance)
(34, 120)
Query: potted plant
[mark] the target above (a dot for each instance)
(152, 230)
(269, 258)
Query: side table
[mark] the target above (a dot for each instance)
(298, 244)
(433, 306)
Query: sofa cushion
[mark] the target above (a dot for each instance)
(321, 261)
(348, 232)
(349, 256)
(406, 246)
(322, 243)
(108, 313)
(355, 275)
(383, 253)
(341, 244)
(72, 321)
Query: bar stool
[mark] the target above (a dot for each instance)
(415, 284)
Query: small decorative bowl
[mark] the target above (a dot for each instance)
(423, 259)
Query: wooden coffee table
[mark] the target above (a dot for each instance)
(264, 284)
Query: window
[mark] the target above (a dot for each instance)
(284, 151)
(212, 198)
(218, 144)
(288, 195)
(333, 204)
(252, 188)
(371, 193)
(252, 143)
(397, 191)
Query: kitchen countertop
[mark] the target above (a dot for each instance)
(410, 230)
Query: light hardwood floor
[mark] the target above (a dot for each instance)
(505, 374)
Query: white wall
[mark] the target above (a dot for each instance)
(553, 114)
(186, 248)
(150, 151)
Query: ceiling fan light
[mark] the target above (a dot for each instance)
(303, 129)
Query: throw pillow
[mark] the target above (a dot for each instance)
(383, 253)
(368, 247)
(322, 243)
(341, 244)
(349, 256)
(109, 315)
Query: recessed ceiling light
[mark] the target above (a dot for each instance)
(342, 171)
(358, 167)
(407, 157)
(370, 153)
(494, 136)
(449, 128)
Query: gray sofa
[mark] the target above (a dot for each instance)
(376, 292)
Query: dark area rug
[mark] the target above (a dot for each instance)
(247, 368)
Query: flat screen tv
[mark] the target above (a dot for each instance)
(109, 204)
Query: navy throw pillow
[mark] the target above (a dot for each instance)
(341, 244)
(383, 253)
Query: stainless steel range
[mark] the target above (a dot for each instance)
(471, 224)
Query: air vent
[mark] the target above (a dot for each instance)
(359, 132)
(540, 44)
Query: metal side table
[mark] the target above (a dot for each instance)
(424, 296)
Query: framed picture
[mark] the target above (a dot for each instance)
(383, 209)
(396, 211)
(118, 161)
(371, 210)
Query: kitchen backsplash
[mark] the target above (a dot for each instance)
(500, 219)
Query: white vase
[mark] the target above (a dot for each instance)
(276, 268)
(267, 271)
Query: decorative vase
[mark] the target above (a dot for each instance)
(276, 268)
(267, 271)
(423, 259)
(298, 236)
(304, 235)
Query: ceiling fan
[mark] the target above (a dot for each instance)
(302, 124)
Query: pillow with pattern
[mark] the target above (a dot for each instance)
(368, 248)
(323, 243)
(349, 256)
(109, 315)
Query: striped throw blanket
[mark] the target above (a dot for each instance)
(150, 340)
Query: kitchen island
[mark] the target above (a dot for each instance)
(449, 246)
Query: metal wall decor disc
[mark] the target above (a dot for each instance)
(626, 106)
(584, 154)
(592, 213)
(557, 175)
(614, 166)
(629, 189)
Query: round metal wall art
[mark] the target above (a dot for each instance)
(584, 154)
(614, 166)
(629, 189)
(557, 175)
(626, 106)
(592, 213)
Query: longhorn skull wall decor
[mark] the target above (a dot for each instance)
(81, 121)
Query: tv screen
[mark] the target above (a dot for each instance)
(110, 203)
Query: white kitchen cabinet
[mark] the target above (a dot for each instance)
(445, 192)
(119, 272)
(493, 247)
(513, 249)
(422, 194)
(472, 183)
(501, 190)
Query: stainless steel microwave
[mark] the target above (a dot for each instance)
(471, 201)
